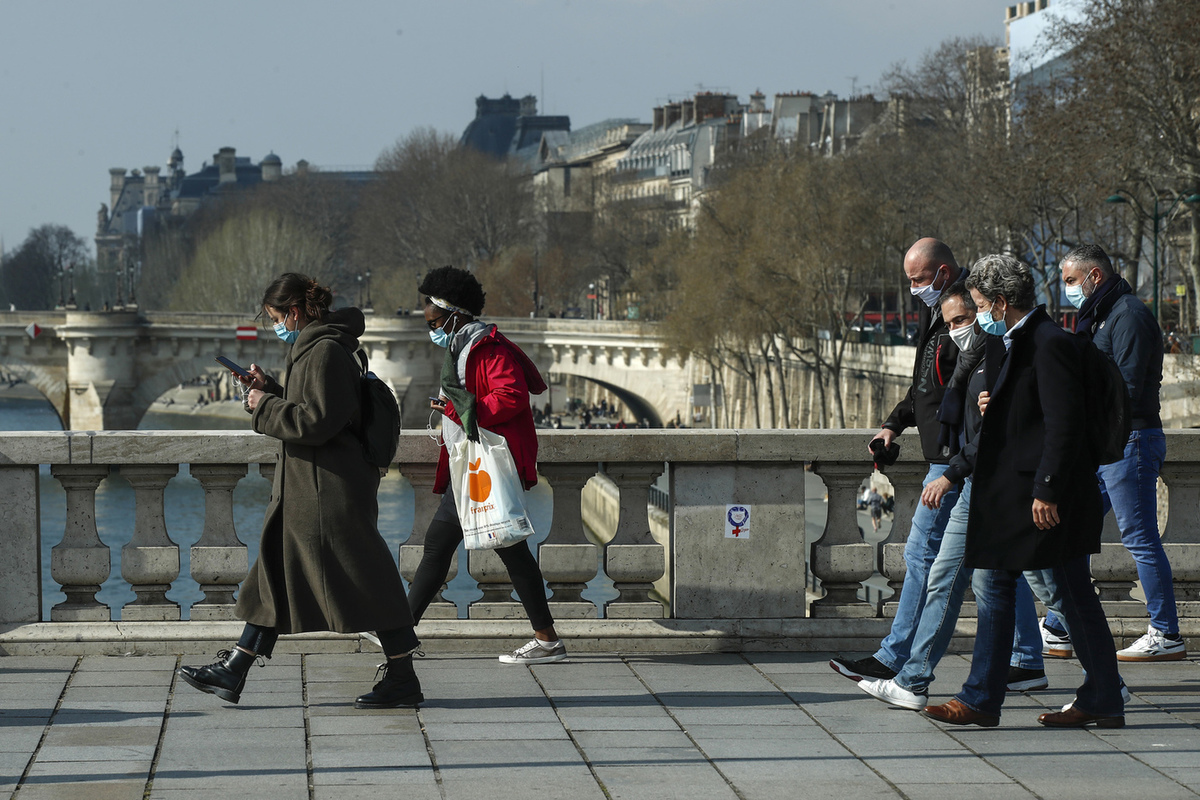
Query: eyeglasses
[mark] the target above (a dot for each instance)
(433, 323)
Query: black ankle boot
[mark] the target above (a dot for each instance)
(399, 686)
(225, 678)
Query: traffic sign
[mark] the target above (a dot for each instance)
(33, 329)
(247, 332)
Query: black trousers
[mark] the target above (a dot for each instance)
(441, 542)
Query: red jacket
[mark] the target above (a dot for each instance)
(501, 377)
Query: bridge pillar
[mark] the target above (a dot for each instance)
(101, 370)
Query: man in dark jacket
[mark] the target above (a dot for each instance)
(930, 267)
(1123, 328)
(1035, 503)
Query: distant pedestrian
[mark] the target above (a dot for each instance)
(875, 505)
(322, 565)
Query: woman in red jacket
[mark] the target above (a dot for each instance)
(492, 380)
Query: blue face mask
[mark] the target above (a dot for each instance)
(1075, 295)
(441, 337)
(996, 327)
(283, 333)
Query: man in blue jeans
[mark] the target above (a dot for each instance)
(1123, 328)
(930, 267)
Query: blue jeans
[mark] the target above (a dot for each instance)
(924, 539)
(996, 591)
(1130, 488)
(947, 584)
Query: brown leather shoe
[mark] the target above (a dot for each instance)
(957, 713)
(1072, 717)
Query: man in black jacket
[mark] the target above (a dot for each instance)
(1123, 328)
(930, 267)
(1035, 502)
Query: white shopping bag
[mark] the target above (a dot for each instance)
(488, 492)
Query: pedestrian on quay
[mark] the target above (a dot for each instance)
(488, 377)
(1124, 329)
(322, 565)
(1035, 501)
(930, 268)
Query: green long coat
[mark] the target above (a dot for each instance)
(322, 565)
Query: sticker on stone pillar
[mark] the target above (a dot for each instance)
(737, 522)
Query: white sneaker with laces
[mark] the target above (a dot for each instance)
(1055, 645)
(1154, 646)
(536, 652)
(891, 692)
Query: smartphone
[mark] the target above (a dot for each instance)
(440, 401)
(225, 362)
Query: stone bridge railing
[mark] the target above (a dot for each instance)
(690, 586)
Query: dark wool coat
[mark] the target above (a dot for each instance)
(1031, 445)
(322, 565)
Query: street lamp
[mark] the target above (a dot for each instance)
(360, 296)
(369, 307)
(1121, 197)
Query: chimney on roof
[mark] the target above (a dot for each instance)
(758, 102)
(688, 109)
(671, 114)
(528, 106)
(226, 159)
(151, 188)
(659, 116)
(709, 106)
(116, 186)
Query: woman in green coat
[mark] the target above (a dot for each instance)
(322, 565)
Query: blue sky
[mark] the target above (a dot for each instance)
(85, 86)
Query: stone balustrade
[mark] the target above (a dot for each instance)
(710, 575)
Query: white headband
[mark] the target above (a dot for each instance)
(440, 303)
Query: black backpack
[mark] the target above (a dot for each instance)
(380, 430)
(1109, 411)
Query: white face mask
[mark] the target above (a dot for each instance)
(928, 294)
(965, 337)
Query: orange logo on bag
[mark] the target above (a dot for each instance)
(479, 483)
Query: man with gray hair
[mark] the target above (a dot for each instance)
(1121, 326)
(1035, 504)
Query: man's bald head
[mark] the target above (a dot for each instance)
(926, 258)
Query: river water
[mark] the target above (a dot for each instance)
(184, 512)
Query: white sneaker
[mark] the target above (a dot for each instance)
(891, 692)
(1126, 697)
(1154, 646)
(536, 652)
(1055, 645)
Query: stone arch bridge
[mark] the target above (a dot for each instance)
(103, 370)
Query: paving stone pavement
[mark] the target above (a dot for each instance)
(754, 725)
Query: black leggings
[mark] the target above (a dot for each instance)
(261, 641)
(441, 542)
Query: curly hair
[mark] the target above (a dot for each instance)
(293, 289)
(455, 286)
(999, 275)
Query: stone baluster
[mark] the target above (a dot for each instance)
(907, 479)
(150, 562)
(1181, 537)
(219, 559)
(421, 476)
(80, 562)
(497, 601)
(840, 558)
(567, 559)
(633, 560)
